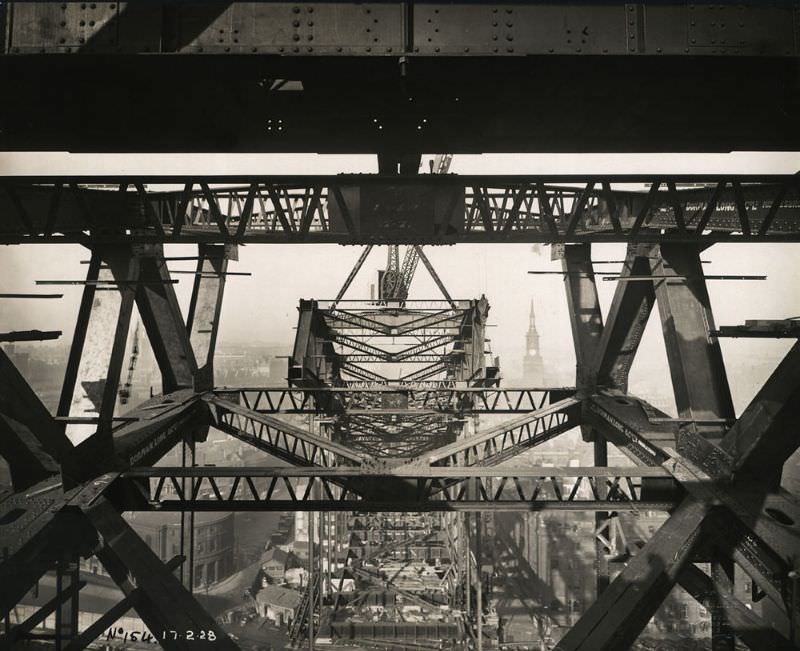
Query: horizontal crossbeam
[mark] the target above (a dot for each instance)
(413, 489)
(349, 209)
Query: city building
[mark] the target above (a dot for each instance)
(213, 542)
(278, 604)
(275, 562)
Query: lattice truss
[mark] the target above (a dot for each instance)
(348, 209)
(718, 474)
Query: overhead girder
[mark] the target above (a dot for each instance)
(260, 61)
(189, 30)
(364, 209)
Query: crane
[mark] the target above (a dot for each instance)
(125, 389)
(395, 280)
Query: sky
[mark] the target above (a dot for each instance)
(263, 307)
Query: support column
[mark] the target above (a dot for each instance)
(695, 359)
(163, 322)
(66, 613)
(627, 317)
(479, 577)
(586, 318)
(311, 575)
(602, 571)
(722, 575)
(205, 308)
(97, 354)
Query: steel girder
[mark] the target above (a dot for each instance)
(284, 68)
(451, 400)
(410, 489)
(327, 209)
(247, 28)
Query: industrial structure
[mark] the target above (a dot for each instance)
(394, 386)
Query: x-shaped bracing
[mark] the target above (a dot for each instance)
(730, 473)
(57, 510)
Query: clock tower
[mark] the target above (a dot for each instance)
(532, 363)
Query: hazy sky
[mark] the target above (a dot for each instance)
(263, 307)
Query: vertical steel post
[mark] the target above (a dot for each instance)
(601, 559)
(467, 524)
(191, 523)
(311, 576)
(182, 574)
(479, 578)
(722, 636)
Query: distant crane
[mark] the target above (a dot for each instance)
(395, 280)
(125, 389)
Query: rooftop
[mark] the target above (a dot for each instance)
(274, 595)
